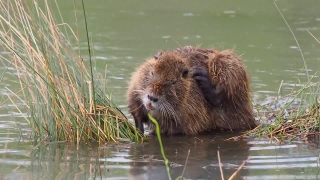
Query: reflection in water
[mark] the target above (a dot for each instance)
(135, 161)
(61, 161)
(202, 162)
(144, 161)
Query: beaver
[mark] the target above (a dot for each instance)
(191, 90)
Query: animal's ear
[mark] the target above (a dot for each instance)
(185, 73)
(158, 55)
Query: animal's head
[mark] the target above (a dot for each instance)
(169, 81)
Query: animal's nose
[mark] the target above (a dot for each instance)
(152, 98)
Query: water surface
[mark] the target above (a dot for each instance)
(124, 34)
(294, 160)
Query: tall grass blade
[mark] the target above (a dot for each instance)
(89, 50)
(294, 36)
(56, 86)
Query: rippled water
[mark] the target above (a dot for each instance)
(295, 160)
(123, 35)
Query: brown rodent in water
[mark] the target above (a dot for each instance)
(190, 90)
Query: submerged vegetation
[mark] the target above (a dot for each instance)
(66, 100)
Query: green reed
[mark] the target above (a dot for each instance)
(65, 101)
(303, 120)
(166, 161)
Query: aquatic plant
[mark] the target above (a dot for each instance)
(298, 115)
(65, 100)
(303, 120)
(299, 120)
(166, 161)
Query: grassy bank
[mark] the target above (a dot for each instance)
(66, 98)
(298, 116)
(294, 115)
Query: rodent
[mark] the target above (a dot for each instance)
(191, 90)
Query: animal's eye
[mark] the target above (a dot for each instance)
(185, 73)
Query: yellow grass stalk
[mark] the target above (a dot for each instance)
(62, 100)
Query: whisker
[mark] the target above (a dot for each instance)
(169, 113)
(166, 115)
(172, 112)
(139, 90)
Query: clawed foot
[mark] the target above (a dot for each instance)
(208, 89)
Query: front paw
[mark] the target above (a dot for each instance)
(202, 78)
(139, 126)
(209, 90)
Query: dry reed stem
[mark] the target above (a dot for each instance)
(220, 165)
(313, 36)
(238, 170)
(35, 147)
(60, 81)
(15, 105)
(185, 164)
(15, 94)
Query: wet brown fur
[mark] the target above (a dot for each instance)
(185, 110)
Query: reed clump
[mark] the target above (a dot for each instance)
(295, 115)
(294, 120)
(65, 100)
(298, 117)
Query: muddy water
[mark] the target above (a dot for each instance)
(123, 35)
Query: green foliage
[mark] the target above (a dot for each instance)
(63, 101)
(166, 161)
